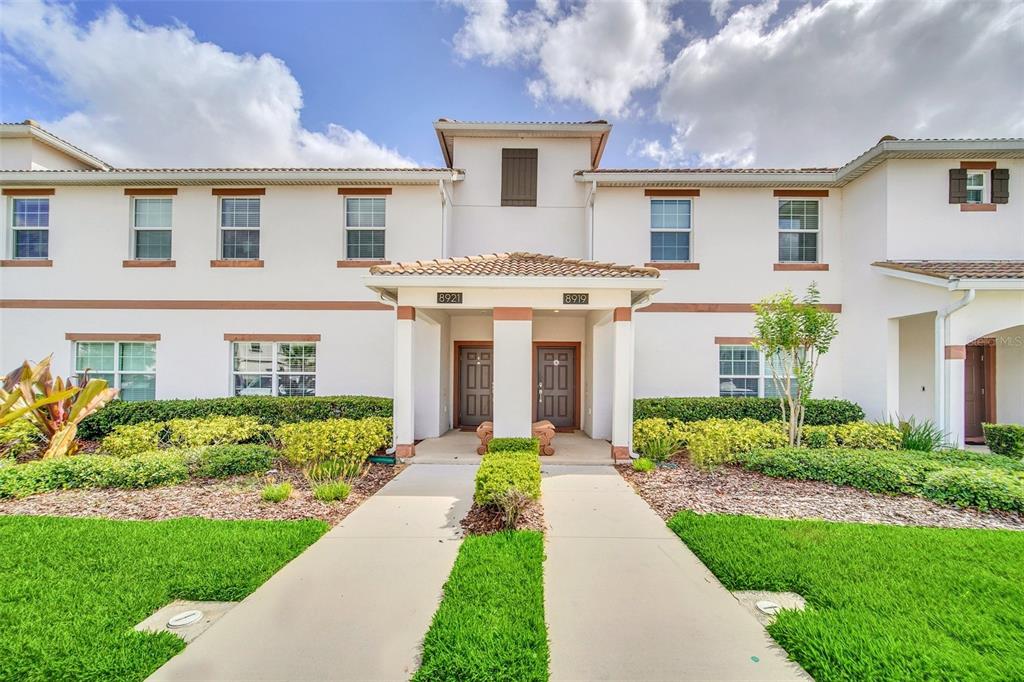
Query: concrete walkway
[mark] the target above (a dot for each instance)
(626, 600)
(356, 604)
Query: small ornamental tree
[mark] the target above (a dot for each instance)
(793, 335)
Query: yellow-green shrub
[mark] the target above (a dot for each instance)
(349, 439)
(18, 438)
(715, 441)
(125, 441)
(648, 434)
(216, 430)
(868, 436)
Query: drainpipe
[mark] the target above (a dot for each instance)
(593, 217)
(941, 333)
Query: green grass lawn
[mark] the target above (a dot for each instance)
(490, 625)
(884, 602)
(72, 589)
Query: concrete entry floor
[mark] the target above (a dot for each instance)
(459, 447)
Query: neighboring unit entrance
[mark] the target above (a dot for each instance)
(474, 385)
(556, 385)
(979, 373)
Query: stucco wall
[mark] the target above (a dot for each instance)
(916, 368)
(1010, 376)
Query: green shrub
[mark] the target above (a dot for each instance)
(332, 492)
(151, 469)
(981, 488)
(819, 437)
(215, 430)
(93, 471)
(220, 461)
(276, 492)
(514, 445)
(716, 441)
(18, 438)
(649, 433)
(125, 441)
(350, 441)
(329, 470)
(819, 412)
(868, 436)
(1005, 439)
(660, 449)
(643, 465)
(923, 435)
(500, 472)
(267, 409)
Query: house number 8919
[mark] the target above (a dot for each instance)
(575, 299)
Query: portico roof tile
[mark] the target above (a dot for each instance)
(517, 264)
(959, 269)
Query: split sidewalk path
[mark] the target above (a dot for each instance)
(626, 600)
(356, 604)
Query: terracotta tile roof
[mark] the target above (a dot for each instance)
(518, 264)
(959, 269)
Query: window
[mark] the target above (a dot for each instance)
(670, 229)
(798, 231)
(975, 187)
(240, 228)
(30, 220)
(267, 368)
(127, 365)
(744, 372)
(364, 228)
(151, 223)
(518, 177)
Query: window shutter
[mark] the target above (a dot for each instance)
(518, 177)
(957, 185)
(1000, 185)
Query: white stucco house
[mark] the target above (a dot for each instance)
(522, 281)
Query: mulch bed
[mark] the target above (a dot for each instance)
(237, 497)
(734, 490)
(484, 520)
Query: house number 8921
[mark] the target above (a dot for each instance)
(449, 297)
(575, 299)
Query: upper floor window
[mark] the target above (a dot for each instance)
(240, 228)
(267, 368)
(798, 231)
(151, 228)
(671, 224)
(745, 372)
(976, 186)
(30, 220)
(518, 177)
(364, 228)
(126, 365)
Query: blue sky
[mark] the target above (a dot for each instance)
(388, 69)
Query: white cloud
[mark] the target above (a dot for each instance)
(823, 84)
(157, 95)
(719, 9)
(597, 52)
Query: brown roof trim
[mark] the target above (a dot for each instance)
(150, 191)
(238, 191)
(74, 336)
(272, 337)
(30, 192)
(103, 304)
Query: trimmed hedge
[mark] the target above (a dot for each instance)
(221, 461)
(267, 409)
(1005, 439)
(348, 440)
(94, 471)
(514, 445)
(504, 472)
(819, 412)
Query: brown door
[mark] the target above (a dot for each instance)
(974, 393)
(475, 391)
(556, 385)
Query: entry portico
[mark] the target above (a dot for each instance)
(512, 338)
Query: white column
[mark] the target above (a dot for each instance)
(404, 410)
(953, 365)
(892, 370)
(622, 384)
(514, 381)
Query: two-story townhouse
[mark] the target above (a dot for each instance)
(488, 290)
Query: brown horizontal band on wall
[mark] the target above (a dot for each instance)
(88, 336)
(365, 191)
(26, 263)
(733, 340)
(977, 165)
(148, 264)
(406, 312)
(801, 193)
(956, 352)
(87, 304)
(272, 337)
(975, 208)
(800, 267)
(672, 266)
(366, 263)
(237, 263)
(671, 192)
(719, 308)
(150, 191)
(239, 191)
(29, 192)
(622, 315)
(513, 314)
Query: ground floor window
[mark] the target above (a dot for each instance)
(268, 368)
(743, 371)
(129, 366)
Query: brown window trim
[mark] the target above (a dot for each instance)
(977, 208)
(673, 265)
(238, 191)
(362, 263)
(74, 336)
(26, 263)
(142, 263)
(365, 191)
(33, 192)
(237, 263)
(978, 165)
(733, 340)
(672, 192)
(800, 193)
(272, 337)
(150, 191)
(800, 267)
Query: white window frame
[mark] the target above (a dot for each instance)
(788, 230)
(117, 371)
(274, 372)
(764, 375)
(136, 229)
(688, 230)
(344, 219)
(221, 228)
(11, 230)
(984, 186)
